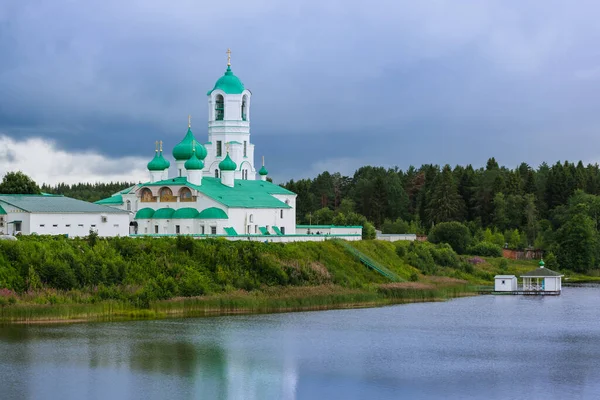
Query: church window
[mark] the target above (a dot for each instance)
(128, 205)
(146, 195)
(282, 229)
(245, 148)
(219, 148)
(216, 173)
(244, 109)
(219, 108)
(166, 194)
(185, 194)
(155, 228)
(202, 229)
(213, 230)
(281, 214)
(251, 218)
(177, 229)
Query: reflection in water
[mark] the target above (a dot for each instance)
(503, 346)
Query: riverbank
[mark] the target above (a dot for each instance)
(270, 300)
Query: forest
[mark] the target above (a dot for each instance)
(552, 207)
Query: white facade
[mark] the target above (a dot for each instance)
(328, 230)
(31, 214)
(394, 237)
(505, 283)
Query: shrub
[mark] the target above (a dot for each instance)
(455, 234)
(401, 251)
(444, 255)
(503, 264)
(485, 249)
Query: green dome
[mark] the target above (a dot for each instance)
(263, 171)
(158, 163)
(541, 263)
(194, 163)
(229, 83)
(163, 213)
(144, 213)
(185, 213)
(212, 213)
(227, 164)
(183, 151)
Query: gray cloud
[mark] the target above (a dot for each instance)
(384, 82)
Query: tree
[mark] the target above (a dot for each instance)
(500, 214)
(578, 249)
(445, 203)
(454, 233)
(18, 183)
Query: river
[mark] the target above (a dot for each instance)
(493, 347)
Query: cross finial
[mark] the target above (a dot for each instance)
(189, 121)
(156, 146)
(227, 147)
(229, 57)
(263, 159)
(160, 146)
(193, 146)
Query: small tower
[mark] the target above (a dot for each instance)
(263, 171)
(194, 167)
(183, 150)
(227, 167)
(158, 166)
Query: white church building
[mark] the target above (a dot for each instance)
(215, 190)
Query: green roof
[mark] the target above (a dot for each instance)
(231, 231)
(126, 191)
(144, 213)
(234, 142)
(185, 213)
(116, 199)
(163, 213)
(183, 150)
(229, 83)
(540, 273)
(54, 204)
(243, 194)
(263, 171)
(263, 230)
(212, 213)
(194, 163)
(158, 163)
(327, 226)
(277, 230)
(2, 212)
(227, 164)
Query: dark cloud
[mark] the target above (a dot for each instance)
(388, 82)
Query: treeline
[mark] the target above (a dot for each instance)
(86, 191)
(554, 208)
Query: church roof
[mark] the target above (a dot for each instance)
(183, 150)
(112, 200)
(54, 204)
(243, 194)
(229, 83)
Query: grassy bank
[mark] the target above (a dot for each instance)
(272, 300)
(58, 279)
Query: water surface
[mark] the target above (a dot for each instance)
(497, 347)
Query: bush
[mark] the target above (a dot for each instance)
(444, 255)
(420, 257)
(485, 249)
(401, 251)
(455, 234)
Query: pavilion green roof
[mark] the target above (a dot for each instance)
(2, 212)
(540, 273)
(243, 194)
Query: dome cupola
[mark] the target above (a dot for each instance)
(183, 150)
(158, 163)
(194, 163)
(227, 164)
(228, 83)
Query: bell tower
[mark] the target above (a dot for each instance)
(229, 125)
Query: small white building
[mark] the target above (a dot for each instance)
(505, 283)
(58, 215)
(542, 280)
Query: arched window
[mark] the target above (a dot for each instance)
(185, 194)
(216, 173)
(166, 194)
(251, 218)
(128, 205)
(219, 108)
(244, 108)
(147, 196)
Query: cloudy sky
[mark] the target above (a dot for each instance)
(87, 87)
